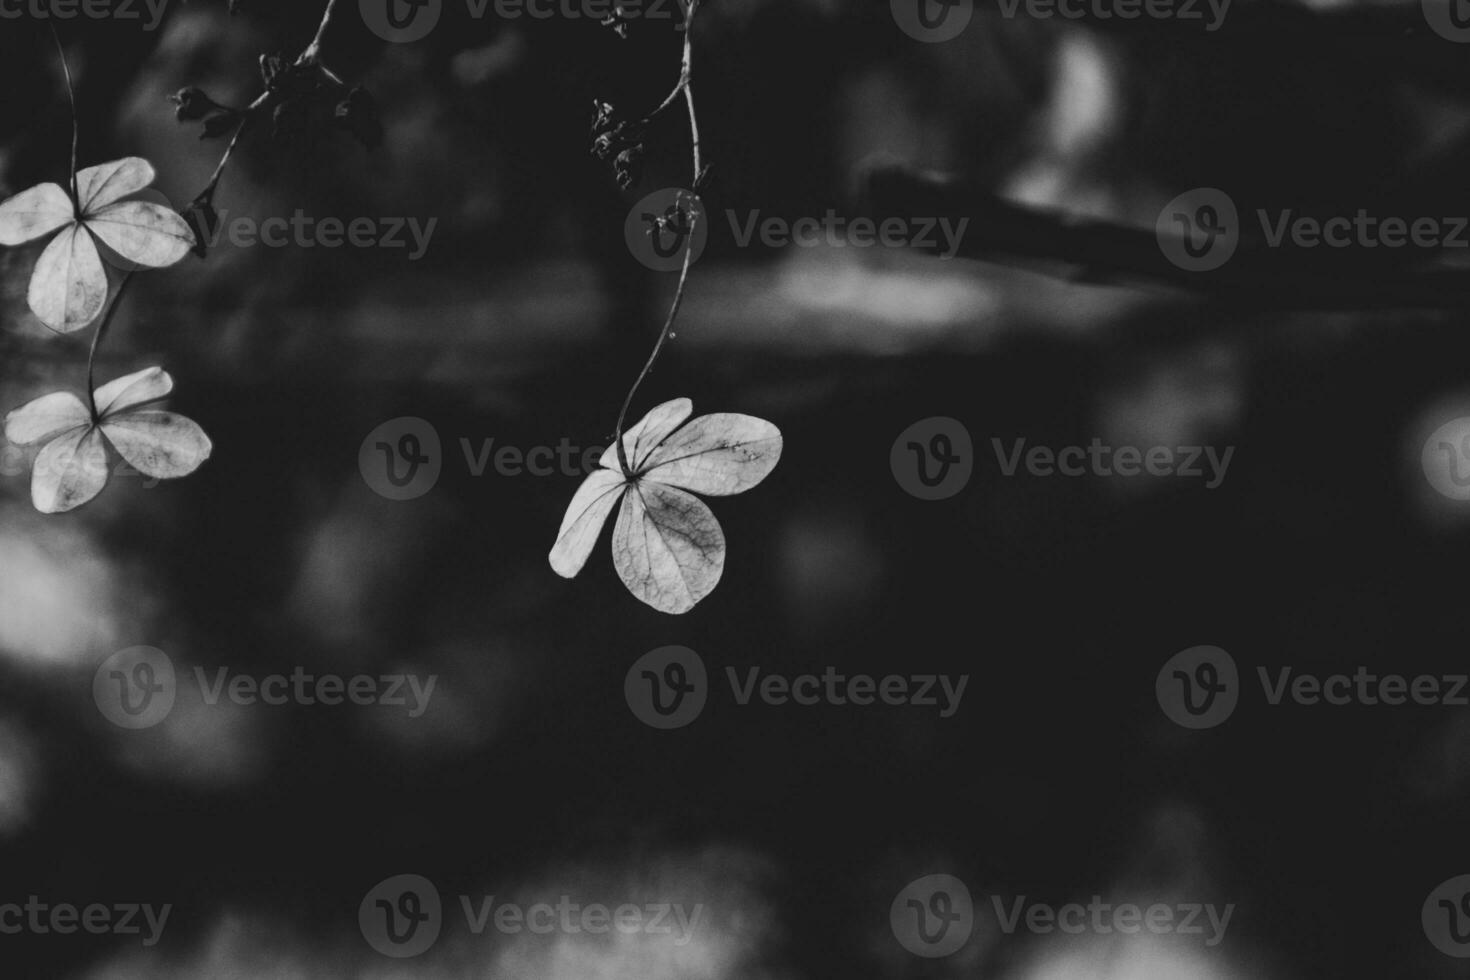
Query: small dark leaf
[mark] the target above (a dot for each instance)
(358, 114)
(204, 219)
(192, 104)
(629, 167)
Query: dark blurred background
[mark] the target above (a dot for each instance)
(1059, 778)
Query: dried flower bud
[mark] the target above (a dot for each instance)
(192, 104)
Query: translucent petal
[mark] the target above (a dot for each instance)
(45, 418)
(583, 522)
(144, 233)
(716, 455)
(34, 213)
(652, 429)
(69, 285)
(69, 471)
(138, 388)
(107, 183)
(162, 445)
(667, 547)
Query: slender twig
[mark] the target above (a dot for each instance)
(97, 341)
(71, 94)
(314, 49)
(686, 85)
(310, 57)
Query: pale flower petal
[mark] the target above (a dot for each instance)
(667, 547)
(45, 418)
(144, 233)
(583, 522)
(69, 286)
(107, 183)
(35, 213)
(716, 455)
(131, 390)
(162, 445)
(69, 471)
(652, 429)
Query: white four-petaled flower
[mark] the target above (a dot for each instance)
(72, 466)
(69, 286)
(667, 546)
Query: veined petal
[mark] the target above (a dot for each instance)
(583, 522)
(142, 232)
(45, 418)
(131, 390)
(652, 429)
(69, 471)
(667, 547)
(31, 214)
(69, 285)
(162, 445)
(106, 183)
(717, 455)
